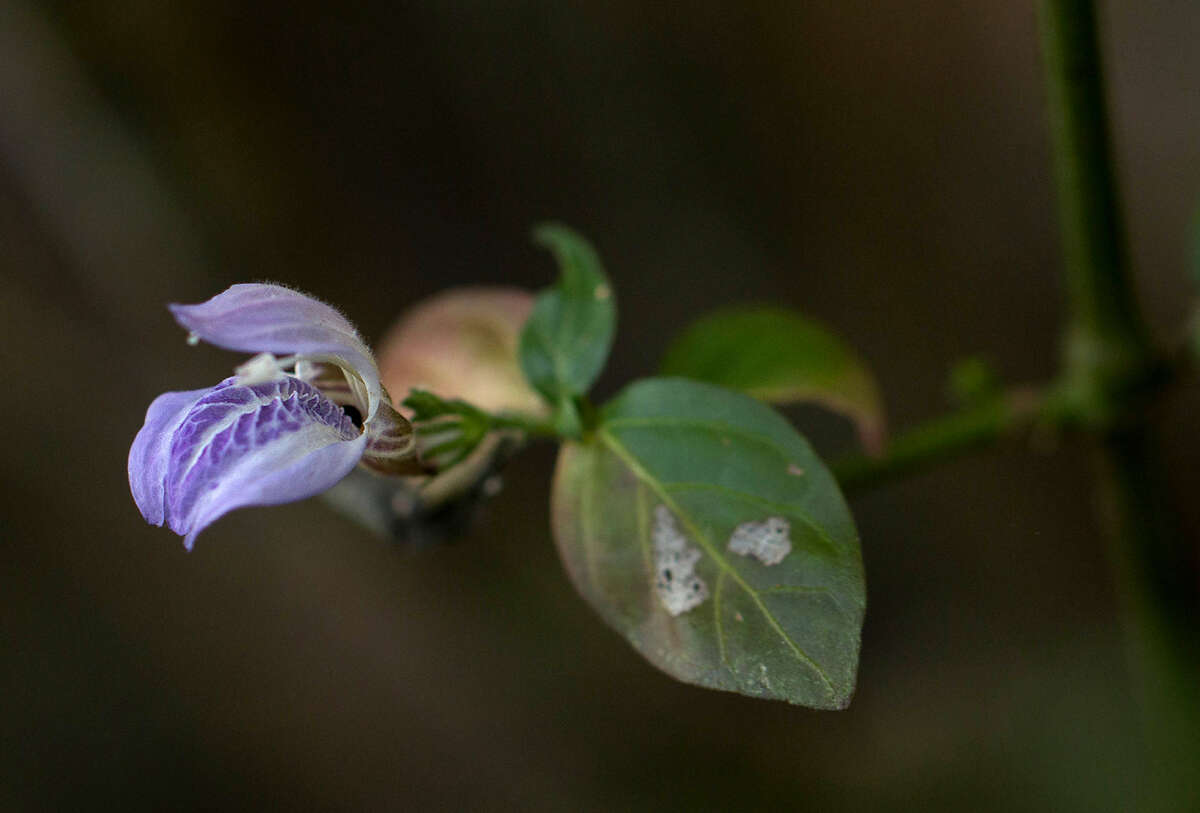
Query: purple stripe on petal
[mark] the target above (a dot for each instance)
(264, 444)
(258, 318)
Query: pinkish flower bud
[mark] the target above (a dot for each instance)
(462, 344)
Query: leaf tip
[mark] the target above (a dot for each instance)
(550, 233)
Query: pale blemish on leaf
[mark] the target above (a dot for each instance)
(766, 541)
(678, 587)
(795, 470)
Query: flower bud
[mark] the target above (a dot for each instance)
(462, 344)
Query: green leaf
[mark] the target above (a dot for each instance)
(675, 470)
(566, 340)
(780, 357)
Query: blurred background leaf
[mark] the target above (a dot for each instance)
(780, 357)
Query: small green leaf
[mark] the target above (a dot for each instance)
(652, 515)
(566, 340)
(448, 430)
(780, 357)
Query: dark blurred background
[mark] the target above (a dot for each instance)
(880, 165)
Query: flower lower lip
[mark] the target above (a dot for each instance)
(236, 445)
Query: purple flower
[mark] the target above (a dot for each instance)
(281, 430)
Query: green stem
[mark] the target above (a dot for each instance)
(1109, 365)
(1109, 372)
(1106, 342)
(1156, 580)
(940, 440)
(529, 424)
(1093, 240)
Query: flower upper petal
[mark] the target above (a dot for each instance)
(257, 318)
(263, 444)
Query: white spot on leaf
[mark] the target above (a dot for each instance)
(766, 541)
(675, 580)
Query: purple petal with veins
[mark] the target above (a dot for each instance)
(150, 453)
(261, 318)
(197, 458)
